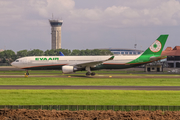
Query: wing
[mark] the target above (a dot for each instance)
(93, 63)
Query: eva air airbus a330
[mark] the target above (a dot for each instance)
(70, 64)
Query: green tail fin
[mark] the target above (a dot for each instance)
(157, 47)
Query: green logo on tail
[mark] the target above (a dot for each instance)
(156, 46)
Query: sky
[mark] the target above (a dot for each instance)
(88, 24)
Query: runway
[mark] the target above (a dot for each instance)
(91, 87)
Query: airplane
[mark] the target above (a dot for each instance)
(71, 64)
(61, 54)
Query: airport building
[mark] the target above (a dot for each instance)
(1, 50)
(125, 51)
(56, 33)
(173, 56)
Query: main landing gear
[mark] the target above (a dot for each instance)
(89, 72)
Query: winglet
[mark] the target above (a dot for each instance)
(111, 58)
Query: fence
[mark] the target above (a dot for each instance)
(92, 107)
(5, 64)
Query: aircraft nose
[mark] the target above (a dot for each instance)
(12, 63)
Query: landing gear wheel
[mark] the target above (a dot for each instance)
(88, 73)
(93, 73)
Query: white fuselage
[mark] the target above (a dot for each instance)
(43, 61)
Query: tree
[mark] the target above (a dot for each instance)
(88, 52)
(1, 54)
(96, 52)
(66, 52)
(46, 53)
(106, 52)
(35, 52)
(50, 53)
(8, 56)
(82, 53)
(91, 52)
(2, 58)
(22, 53)
(75, 52)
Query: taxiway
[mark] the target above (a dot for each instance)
(91, 87)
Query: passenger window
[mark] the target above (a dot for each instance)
(17, 60)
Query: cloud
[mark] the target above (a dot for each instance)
(150, 13)
(57, 7)
(161, 14)
(27, 20)
(33, 12)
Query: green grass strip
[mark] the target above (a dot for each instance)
(88, 97)
(92, 81)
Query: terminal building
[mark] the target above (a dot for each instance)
(1, 50)
(173, 57)
(56, 33)
(172, 60)
(117, 51)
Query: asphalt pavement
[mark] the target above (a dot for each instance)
(91, 87)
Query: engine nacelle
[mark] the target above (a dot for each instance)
(68, 69)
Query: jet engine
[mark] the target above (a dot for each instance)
(68, 69)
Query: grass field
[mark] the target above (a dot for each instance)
(92, 81)
(88, 97)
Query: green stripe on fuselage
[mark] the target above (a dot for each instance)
(142, 59)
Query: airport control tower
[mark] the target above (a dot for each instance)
(56, 33)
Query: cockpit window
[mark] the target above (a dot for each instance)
(17, 60)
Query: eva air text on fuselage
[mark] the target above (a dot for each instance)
(46, 58)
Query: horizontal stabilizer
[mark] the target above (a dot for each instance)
(157, 58)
